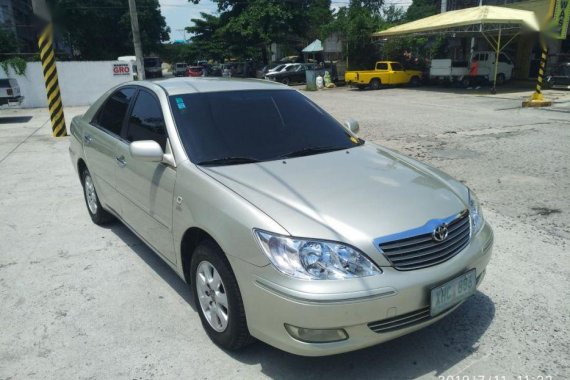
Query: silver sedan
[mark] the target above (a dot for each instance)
(288, 227)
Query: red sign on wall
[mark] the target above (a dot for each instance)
(121, 69)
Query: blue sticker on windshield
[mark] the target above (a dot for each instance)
(180, 103)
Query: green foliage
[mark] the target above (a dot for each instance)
(245, 28)
(18, 64)
(420, 9)
(99, 30)
(8, 43)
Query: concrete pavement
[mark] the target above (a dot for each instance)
(85, 302)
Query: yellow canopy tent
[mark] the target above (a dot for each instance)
(492, 22)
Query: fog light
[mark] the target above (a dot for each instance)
(316, 335)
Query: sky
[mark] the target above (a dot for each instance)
(178, 13)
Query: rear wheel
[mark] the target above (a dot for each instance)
(218, 298)
(500, 79)
(415, 81)
(285, 81)
(375, 84)
(96, 212)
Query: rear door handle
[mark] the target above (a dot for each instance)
(88, 139)
(121, 161)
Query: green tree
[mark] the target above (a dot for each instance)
(246, 28)
(102, 30)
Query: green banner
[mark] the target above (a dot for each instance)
(560, 19)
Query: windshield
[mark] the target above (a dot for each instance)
(255, 125)
(151, 62)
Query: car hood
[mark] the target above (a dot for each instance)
(353, 196)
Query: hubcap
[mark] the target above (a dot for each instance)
(212, 296)
(90, 194)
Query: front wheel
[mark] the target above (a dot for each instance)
(285, 81)
(96, 212)
(218, 298)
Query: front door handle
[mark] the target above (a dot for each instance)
(121, 161)
(88, 139)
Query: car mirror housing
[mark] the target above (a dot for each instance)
(352, 125)
(146, 150)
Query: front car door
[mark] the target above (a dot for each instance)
(100, 139)
(398, 75)
(146, 188)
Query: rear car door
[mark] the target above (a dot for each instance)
(100, 139)
(146, 188)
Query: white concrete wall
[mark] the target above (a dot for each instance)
(81, 82)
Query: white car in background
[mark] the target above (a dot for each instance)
(10, 95)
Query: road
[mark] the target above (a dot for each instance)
(85, 302)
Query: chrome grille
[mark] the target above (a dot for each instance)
(401, 321)
(422, 250)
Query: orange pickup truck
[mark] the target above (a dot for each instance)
(384, 73)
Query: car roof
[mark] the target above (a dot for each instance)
(179, 86)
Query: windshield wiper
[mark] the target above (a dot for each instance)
(229, 161)
(311, 150)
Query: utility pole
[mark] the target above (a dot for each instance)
(137, 38)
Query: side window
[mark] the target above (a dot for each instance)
(397, 67)
(382, 66)
(112, 114)
(146, 121)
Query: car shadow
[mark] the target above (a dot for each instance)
(14, 119)
(430, 351)
(154, 261)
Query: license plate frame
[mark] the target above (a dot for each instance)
(453, 292)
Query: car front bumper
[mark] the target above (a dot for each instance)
(399, 298)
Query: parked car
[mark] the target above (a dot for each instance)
(180, 69)
(384, 73)
(559, 76)
(447, 70)
(10, 95)
(195, 71)
(152, 67)
(287, 226)
(294, 73)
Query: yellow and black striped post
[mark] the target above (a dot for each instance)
(537, 99)
(539, 80)
(47, 56)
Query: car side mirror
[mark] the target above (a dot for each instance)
(352, 125)
(146, 150)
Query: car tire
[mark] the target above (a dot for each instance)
(98, 215)
(375, 84)
(208, 259)
(500, 79)
(285, 81)
(415, 82)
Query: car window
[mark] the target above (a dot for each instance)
(112, 115)
(397, 67)
(504, 58)
(382, 66)
(291, 68)
(146, 121)
(4, 83)
(258, 124)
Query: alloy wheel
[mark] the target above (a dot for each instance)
(212, 296)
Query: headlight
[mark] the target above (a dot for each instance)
(315, 259)
(477, 220)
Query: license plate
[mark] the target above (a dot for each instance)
(453, 292)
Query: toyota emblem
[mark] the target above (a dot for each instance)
(440, 233)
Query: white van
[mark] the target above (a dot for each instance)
(10, 95)
(453, 71)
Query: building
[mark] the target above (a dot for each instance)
(524, 50)
(16, 17)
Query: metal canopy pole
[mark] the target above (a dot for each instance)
(497, 52)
